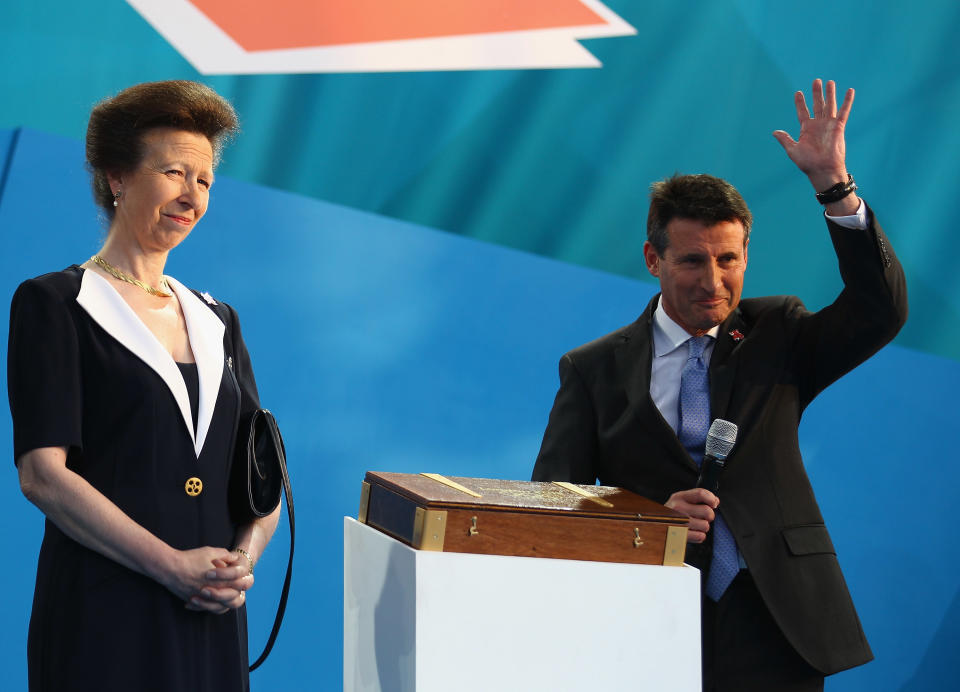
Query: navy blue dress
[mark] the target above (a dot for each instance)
(95, 624)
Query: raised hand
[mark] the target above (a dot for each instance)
(820, 149)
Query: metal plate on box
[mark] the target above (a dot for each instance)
(429, 529)
(364, 502)
(676, 547)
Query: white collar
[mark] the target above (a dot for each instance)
(668, 335)
(204, 329)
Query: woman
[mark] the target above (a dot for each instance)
(125, 409)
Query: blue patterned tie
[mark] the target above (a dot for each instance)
(694, 400)
(692, 432)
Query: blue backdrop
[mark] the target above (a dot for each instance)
(382, 343)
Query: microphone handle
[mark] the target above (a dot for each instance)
(710, 471)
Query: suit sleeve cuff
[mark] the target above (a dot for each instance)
(856, 221)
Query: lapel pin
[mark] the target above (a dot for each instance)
(737, 335)
(209, 298)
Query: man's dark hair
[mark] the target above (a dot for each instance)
(701, 197)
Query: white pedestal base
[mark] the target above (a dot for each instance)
(452, 622)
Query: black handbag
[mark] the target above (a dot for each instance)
(259, 474)
(259, 467)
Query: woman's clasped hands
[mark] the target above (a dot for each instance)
(213, 580)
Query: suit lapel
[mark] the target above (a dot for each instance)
(108, 309)
(634, 356)
(724, 361)
(206, 339)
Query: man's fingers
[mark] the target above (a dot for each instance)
(786, 141)
(846, 106)
(702, 514)
(700, 496)
(698, 525)
(801, 105)
(818, 101)
(696, 511)
(830, 106)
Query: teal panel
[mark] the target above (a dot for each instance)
(557, 162)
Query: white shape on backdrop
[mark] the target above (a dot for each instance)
(211, 50)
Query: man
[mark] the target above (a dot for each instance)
(633, 407)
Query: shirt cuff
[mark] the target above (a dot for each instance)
(856, 221)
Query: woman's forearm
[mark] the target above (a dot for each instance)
(87, 516)
(253, 537)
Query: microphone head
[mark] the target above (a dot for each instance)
(720, 438)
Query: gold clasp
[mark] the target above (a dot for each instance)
(474, 531)
(637, 541)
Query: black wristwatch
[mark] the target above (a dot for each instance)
(837, 192)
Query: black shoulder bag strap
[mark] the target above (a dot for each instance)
(287, 493)
(282, 605)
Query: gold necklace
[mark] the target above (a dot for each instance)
(163, 292)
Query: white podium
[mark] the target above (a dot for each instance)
(452, 622)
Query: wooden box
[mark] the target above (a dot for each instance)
(522, 518)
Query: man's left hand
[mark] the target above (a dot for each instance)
(820, 150)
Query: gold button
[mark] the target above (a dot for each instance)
(193, 486)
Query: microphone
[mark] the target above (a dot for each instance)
(720, 440)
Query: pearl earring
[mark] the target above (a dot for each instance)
(116, 198)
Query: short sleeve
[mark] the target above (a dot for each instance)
(249, 397)
(43, 369)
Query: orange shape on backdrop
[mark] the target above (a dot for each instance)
(280, 24)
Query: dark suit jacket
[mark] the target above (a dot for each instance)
(605, 426)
